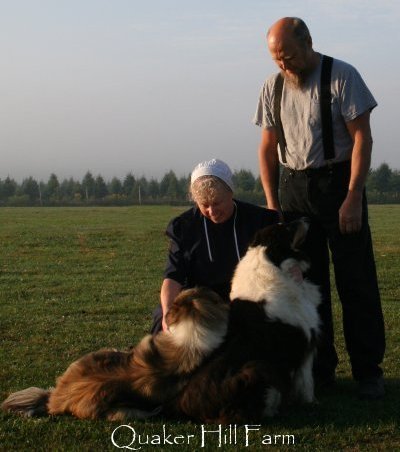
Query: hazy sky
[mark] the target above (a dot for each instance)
(118, 86)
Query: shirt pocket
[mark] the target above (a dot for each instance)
(335, 107)
(315, 111)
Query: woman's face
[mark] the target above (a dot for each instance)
(219, 208)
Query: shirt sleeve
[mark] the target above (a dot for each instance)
(175, 266)
(263, 116)
(355, 97)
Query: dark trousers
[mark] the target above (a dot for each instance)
(318, 195)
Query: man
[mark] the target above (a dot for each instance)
(326, 158)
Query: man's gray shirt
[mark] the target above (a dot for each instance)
(301, 117)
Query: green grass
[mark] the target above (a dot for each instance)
(73, 280)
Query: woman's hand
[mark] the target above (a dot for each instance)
(170, 289)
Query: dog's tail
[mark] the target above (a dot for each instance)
(28, 402)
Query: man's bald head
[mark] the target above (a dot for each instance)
(289, 28)
(290, 45)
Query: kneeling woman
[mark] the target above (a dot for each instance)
(208, 240)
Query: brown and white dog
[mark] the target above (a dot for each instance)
(268, 353)
(119, 385)
(218, 363)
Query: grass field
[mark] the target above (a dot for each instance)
(73, 280)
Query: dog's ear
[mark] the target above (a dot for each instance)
(189, 296)
(264, 236)
(281, 240)
(299, 229)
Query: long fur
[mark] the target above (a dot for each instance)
(269, 349)
(120, 385)
(217, 363)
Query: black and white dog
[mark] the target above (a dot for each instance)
(215, 364)
(268, 353)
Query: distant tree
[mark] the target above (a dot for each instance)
(115, 186)
(169, 185)
(88, 184)
(183, 184)
(42, 192)
(258, 185)
(244, 180)
(140, 190)
(395, 181)
(100, 188)
(67, 188)
(382, 176)
(52, 189)
(71, 189)
(153, 189)
(383, 185)
(144, 185)
(128, 184)
(9, 188)
(30, 187)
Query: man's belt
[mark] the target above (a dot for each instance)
(331, 167)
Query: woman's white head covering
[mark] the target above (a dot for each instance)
(213, 167)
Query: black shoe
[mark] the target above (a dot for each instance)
(372, 388)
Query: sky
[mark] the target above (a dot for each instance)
(148, 86)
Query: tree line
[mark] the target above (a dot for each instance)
(383, 186)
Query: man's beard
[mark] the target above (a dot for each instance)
(297, 81)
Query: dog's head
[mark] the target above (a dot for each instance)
(282, 241)
(198, 318)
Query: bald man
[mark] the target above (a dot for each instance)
(324, 148)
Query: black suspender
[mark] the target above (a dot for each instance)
(326, 111)
(325, 105)
(277, 115)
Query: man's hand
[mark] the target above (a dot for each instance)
(278, 210)
(350, 213)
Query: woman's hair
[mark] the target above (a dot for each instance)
(207, 188)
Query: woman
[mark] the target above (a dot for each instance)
(208, 240)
